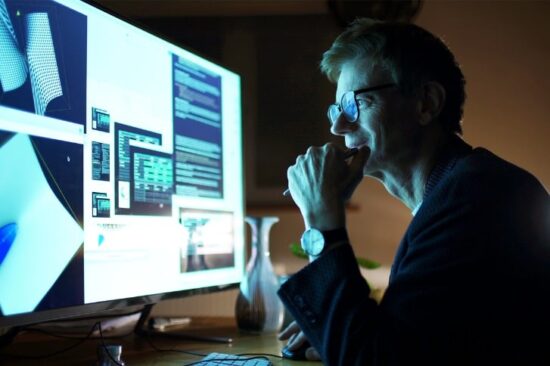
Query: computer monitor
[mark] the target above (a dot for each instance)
(120, 162)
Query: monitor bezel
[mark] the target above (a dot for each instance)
(100, 309)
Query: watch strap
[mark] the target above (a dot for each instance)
(334, 238)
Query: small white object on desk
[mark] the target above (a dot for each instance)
(162, 323)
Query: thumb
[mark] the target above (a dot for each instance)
(358, 161)
(355, 171)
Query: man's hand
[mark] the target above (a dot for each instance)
(321, 181)
(296, 338)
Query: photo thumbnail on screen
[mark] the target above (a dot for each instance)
(209, 240)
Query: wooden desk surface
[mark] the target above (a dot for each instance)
(137, 350)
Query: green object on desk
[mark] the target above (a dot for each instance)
(297, 250)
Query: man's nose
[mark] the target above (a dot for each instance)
(341, 126)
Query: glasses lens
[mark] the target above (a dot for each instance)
(349, 106)
(333, 112)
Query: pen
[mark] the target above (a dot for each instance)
(347, 154)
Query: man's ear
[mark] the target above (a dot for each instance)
(431, 101)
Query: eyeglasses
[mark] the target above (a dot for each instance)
(348, 104)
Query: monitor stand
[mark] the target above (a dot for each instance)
(143, 329)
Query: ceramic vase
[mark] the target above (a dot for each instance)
(258, 308)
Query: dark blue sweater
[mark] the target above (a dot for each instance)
(470, 283)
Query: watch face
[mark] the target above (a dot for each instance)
(313, 242)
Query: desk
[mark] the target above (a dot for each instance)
(138, 352)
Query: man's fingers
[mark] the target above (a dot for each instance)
(296, 341)
(312, 354)
(291, 329)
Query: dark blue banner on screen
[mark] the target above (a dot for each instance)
(197, 130)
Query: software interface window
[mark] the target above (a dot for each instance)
(125, 167)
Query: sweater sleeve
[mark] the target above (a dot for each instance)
(330, 301)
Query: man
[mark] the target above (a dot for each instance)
(470, 282)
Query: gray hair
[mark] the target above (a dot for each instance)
(411, 54)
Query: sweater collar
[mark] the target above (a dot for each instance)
(449, 155)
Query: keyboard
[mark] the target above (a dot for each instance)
(225, 359)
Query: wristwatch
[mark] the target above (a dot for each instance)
(315, 242)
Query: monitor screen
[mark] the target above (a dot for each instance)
(121, 165)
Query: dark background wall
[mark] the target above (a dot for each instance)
(504, 50)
